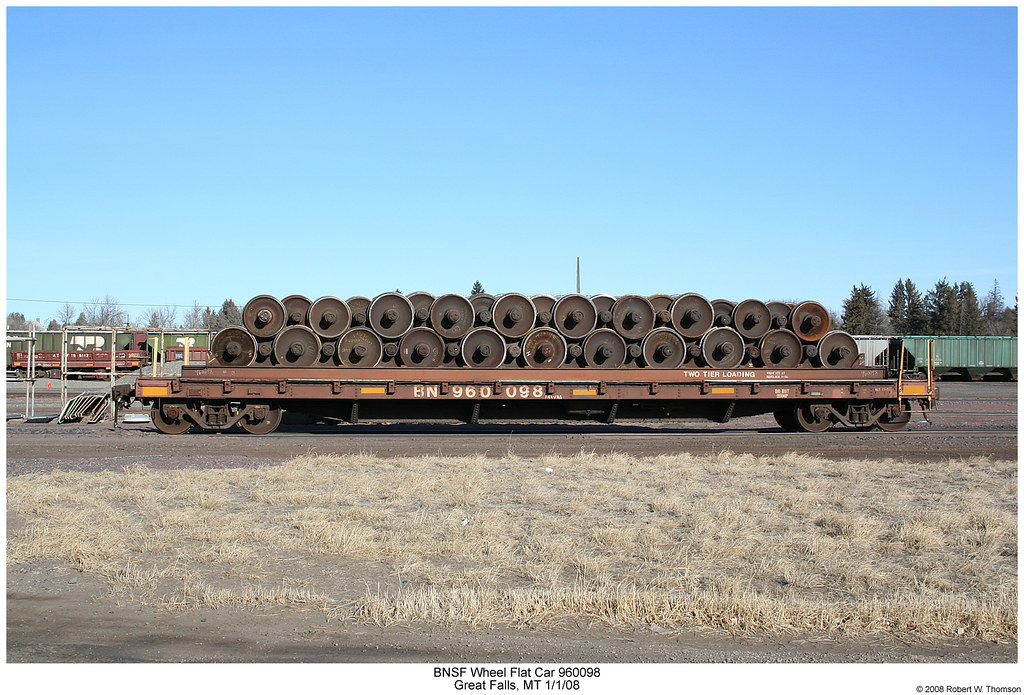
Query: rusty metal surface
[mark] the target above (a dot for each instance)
(264, 316)
(520, 357)
(282, 383)
(235, 347)
(296, 307)
(329, 317)
(98, 360)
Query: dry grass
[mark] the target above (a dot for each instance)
(733, 542)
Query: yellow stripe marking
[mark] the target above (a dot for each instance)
(373, 389)
(722, 389)
(156, 391)
(584, 392)
(914, 389)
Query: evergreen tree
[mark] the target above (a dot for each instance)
(16, 321)
(229, 315)
(918, 320)
(943, 309)
(971, 321)
(54, 325)
(81, 320)
(1010, 319)
(993, 311)
(898, 308)
(477, 288)
(862, 313)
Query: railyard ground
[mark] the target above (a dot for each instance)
(675, 544)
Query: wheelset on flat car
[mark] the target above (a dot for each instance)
(263, 419)
(894, 419)
(180, 417)
(819, 417)
(804, 417)
(170, 418)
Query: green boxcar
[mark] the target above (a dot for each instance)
(177, 339)
(967, 356)
(50, 341)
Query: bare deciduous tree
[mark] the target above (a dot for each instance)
(193, 317)
(107, 312)
(66, 314)
(160, 317)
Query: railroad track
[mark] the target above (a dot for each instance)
(426, 432)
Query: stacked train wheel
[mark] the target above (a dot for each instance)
(519, 331)
(591, 332)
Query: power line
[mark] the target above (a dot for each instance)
(99, 303)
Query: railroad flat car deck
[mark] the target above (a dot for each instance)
(214, 397)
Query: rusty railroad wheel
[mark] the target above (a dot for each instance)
(169, 425)
(808, 421)
(889, 423)
(264, 426)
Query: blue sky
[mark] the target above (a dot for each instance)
(164, 156)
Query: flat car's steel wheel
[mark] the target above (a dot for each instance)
(692, 315)
(513, 314)
(545, 306)
(452, 316)
(483, 348)
(359, 306)
(633, 316)
(265, 426)
(752, 319)
(421, 347)
(168, 424)
(544, 348)
(780, 349)
(780, 313)
(603, 303)
(574, 316)
(723, 311)
(604, 349)
(264, 316)
(297, 309)
(482, 303)
(390, 314)
(894, 423)
(234, 347)
(662, 304)
(663, 348)
(264, 351)
(421, 302)
(297, 346)
(722, 348)
(329, 317)
(808, 420)
(837, 350)
(359, 347)
(810, 321)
